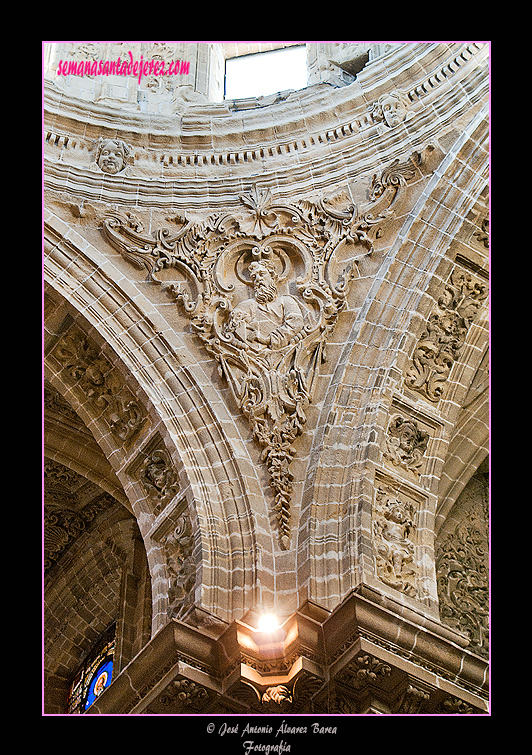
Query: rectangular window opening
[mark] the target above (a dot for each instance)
(264, 73)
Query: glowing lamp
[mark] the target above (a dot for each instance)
(268, 622)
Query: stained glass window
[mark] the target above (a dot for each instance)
(95, 674)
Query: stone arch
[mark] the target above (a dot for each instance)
(338, 498)
(221, 484)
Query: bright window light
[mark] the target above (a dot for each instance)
(266, 73)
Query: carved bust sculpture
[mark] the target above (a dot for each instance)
(267, 319)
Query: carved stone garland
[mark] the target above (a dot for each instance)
(263, 292)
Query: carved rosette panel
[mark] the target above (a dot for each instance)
(444, 334)
(263, 291)
(99, 383)
(394, 538)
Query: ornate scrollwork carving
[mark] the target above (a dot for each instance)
(65, 519)
(445, 334)
(100, 384)
(178, 546)
(462, 573)
(263, 293)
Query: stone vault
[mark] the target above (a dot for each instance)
(266, 381)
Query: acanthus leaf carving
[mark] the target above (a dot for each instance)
(100, 384)
(263, 292)
(445, 333)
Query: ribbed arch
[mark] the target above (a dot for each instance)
(371, 367)
(222, 487)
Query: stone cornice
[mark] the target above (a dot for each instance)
(317, 125)
(363, 645)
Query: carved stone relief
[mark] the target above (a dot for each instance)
(482, 235)
(405, 444)
(99, 383)
(179, 546)
(364, 669)
(112, 155)
(184, 696)
(390, 109)
(66, 516)
(394, 534)
(177, 539)
(445, 334)
(462, 567)
(279, 694)
(159, 478)
(263, 292)
(154, 469)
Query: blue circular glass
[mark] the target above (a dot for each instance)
(100, 680)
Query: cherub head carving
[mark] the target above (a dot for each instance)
(390, 108)
(111, 155)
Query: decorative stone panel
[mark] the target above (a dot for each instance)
(99, 383)
(263, 290)
(153, 468)
(462, 566)
(395, 539)
(445, 333)
(176, 536)
(405, 444)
